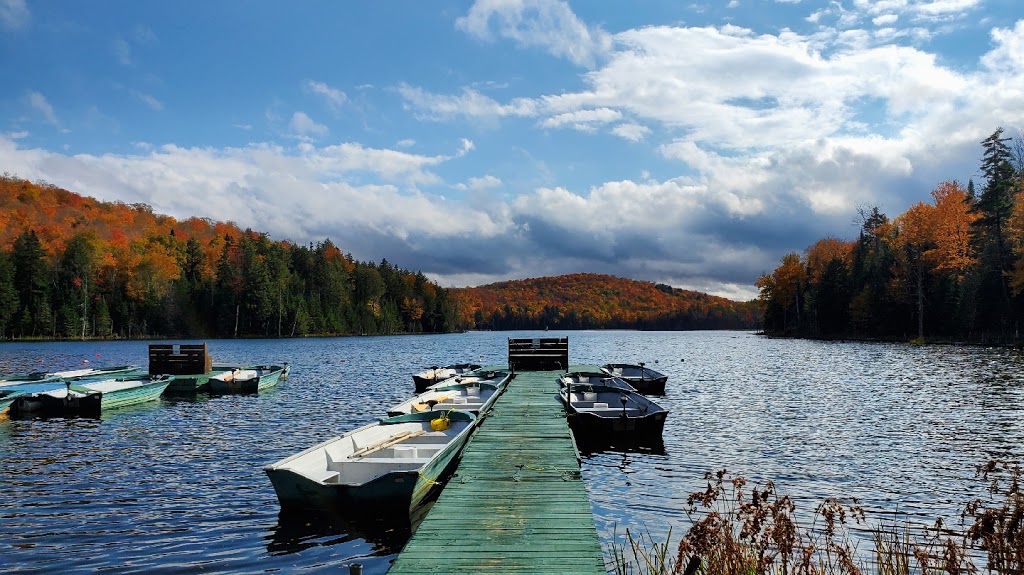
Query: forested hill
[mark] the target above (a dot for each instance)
(72, 266)
(585, 301)
(948, 269)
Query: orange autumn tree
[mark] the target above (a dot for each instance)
(953, 219)
(145, 274)
(912, 236)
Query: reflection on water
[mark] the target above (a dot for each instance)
(177, 486)
(296, 532)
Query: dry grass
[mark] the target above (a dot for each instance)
(741, 531)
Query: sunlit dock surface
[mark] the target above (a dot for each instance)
(517, 503)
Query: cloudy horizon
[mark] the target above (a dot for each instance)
(692, 145)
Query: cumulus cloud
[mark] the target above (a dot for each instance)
(631, 132)
(548, 24)
(302, 126)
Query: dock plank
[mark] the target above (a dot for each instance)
(517, 503)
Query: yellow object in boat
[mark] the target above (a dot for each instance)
(441, 423)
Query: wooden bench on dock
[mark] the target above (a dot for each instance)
(538, 353)
(187, 359)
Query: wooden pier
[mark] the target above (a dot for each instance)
(517, 503)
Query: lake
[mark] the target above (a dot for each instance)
(177, 486)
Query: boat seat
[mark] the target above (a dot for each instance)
(609, 412)
(325, 476)
(359, 472)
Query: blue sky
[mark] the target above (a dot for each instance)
(689, 143)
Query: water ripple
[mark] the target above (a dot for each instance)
(177, 486)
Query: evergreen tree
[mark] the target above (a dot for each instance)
(30, 282)
(995, 206)
(8, 294)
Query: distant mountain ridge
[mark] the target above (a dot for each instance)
(597, 301)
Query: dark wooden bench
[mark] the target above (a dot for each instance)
(187, 359)
(538, 354)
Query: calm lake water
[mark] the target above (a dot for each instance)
(177, 486)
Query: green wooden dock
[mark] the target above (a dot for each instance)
(517, 503)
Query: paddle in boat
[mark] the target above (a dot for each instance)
(87, 396)
(474, 393)
(248, 379)
(394, 463)
(85, 373)
(433, 375)
(22, 379)
(644, 379)
(602, 413)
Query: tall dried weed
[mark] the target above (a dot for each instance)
(740, 531)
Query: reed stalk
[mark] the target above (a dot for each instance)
(736, 531)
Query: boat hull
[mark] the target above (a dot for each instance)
(595, 428)
(146, 392)
(644, 379)
(89, 398)
(404, 489)
(602, 414)
(264, 378)
(424, 380)
(45, 405)
(460, 396)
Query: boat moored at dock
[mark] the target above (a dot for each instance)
(434, 375)
(599, 413)
(393, 463)
(473, 393)
(643, 378)
(87, 397)
(248, 379)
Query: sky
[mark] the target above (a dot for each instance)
(686, 143)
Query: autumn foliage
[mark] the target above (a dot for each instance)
(586, 301)
(72, 266)
(949, 268)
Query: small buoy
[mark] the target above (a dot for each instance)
(85, 361)
(39, 361)
(97, 355)
(342, 360)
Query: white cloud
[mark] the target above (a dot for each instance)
(334, 97)
(255, 184)
(548, 24)
(470, 104)
(479, 184)
(303, 126)
(631, 132)
(583, 120)
(885, 19)
(14, 14)
(406, 143)
(1008, 55)
(148, 100)
(41, 105)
